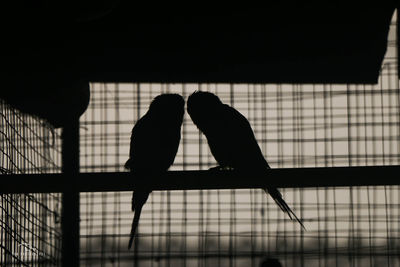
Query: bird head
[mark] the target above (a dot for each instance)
(168, 107)
(202, 108)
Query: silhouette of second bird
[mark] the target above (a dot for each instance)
(154, 143)
(231, 139)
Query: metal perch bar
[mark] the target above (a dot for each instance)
(192, 180)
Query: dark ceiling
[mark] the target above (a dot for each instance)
(52, 49)
(203, 41)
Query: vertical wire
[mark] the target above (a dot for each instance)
(349, 127)
(232, 241)
(219, 200)
(326, 164)
(200, 243)
(357, 140)
(264, 200)
(32, 196)
(374, 159)
(302, 163)
(388, 243)
(316, 165)
(281, 215)
(103, 198)
(368, 188)
(208, 223)
(296, 152)
(252, 194)
(136, 240)
(185, 194)
(92, 196)
(200, 246)
(117, 195)
(168, 236)
(331, 111)
(390, 97)
(280, 161)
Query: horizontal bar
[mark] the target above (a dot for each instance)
(210, 179)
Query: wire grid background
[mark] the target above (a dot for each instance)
(296, 126)
(30, 228)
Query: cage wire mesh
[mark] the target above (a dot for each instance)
(30, 223)
(296, 126)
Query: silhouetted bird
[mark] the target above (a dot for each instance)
(231, 138)
(270, 262)
(154, 144)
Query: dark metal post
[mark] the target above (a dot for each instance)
(70, 198)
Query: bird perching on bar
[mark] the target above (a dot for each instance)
(231, 139)
(154, 143)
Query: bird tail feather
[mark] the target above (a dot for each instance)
(135, 224)
(277, 196)
(139, 198)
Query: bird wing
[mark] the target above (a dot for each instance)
(152, 146)
(249, 156)
(242, 140)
